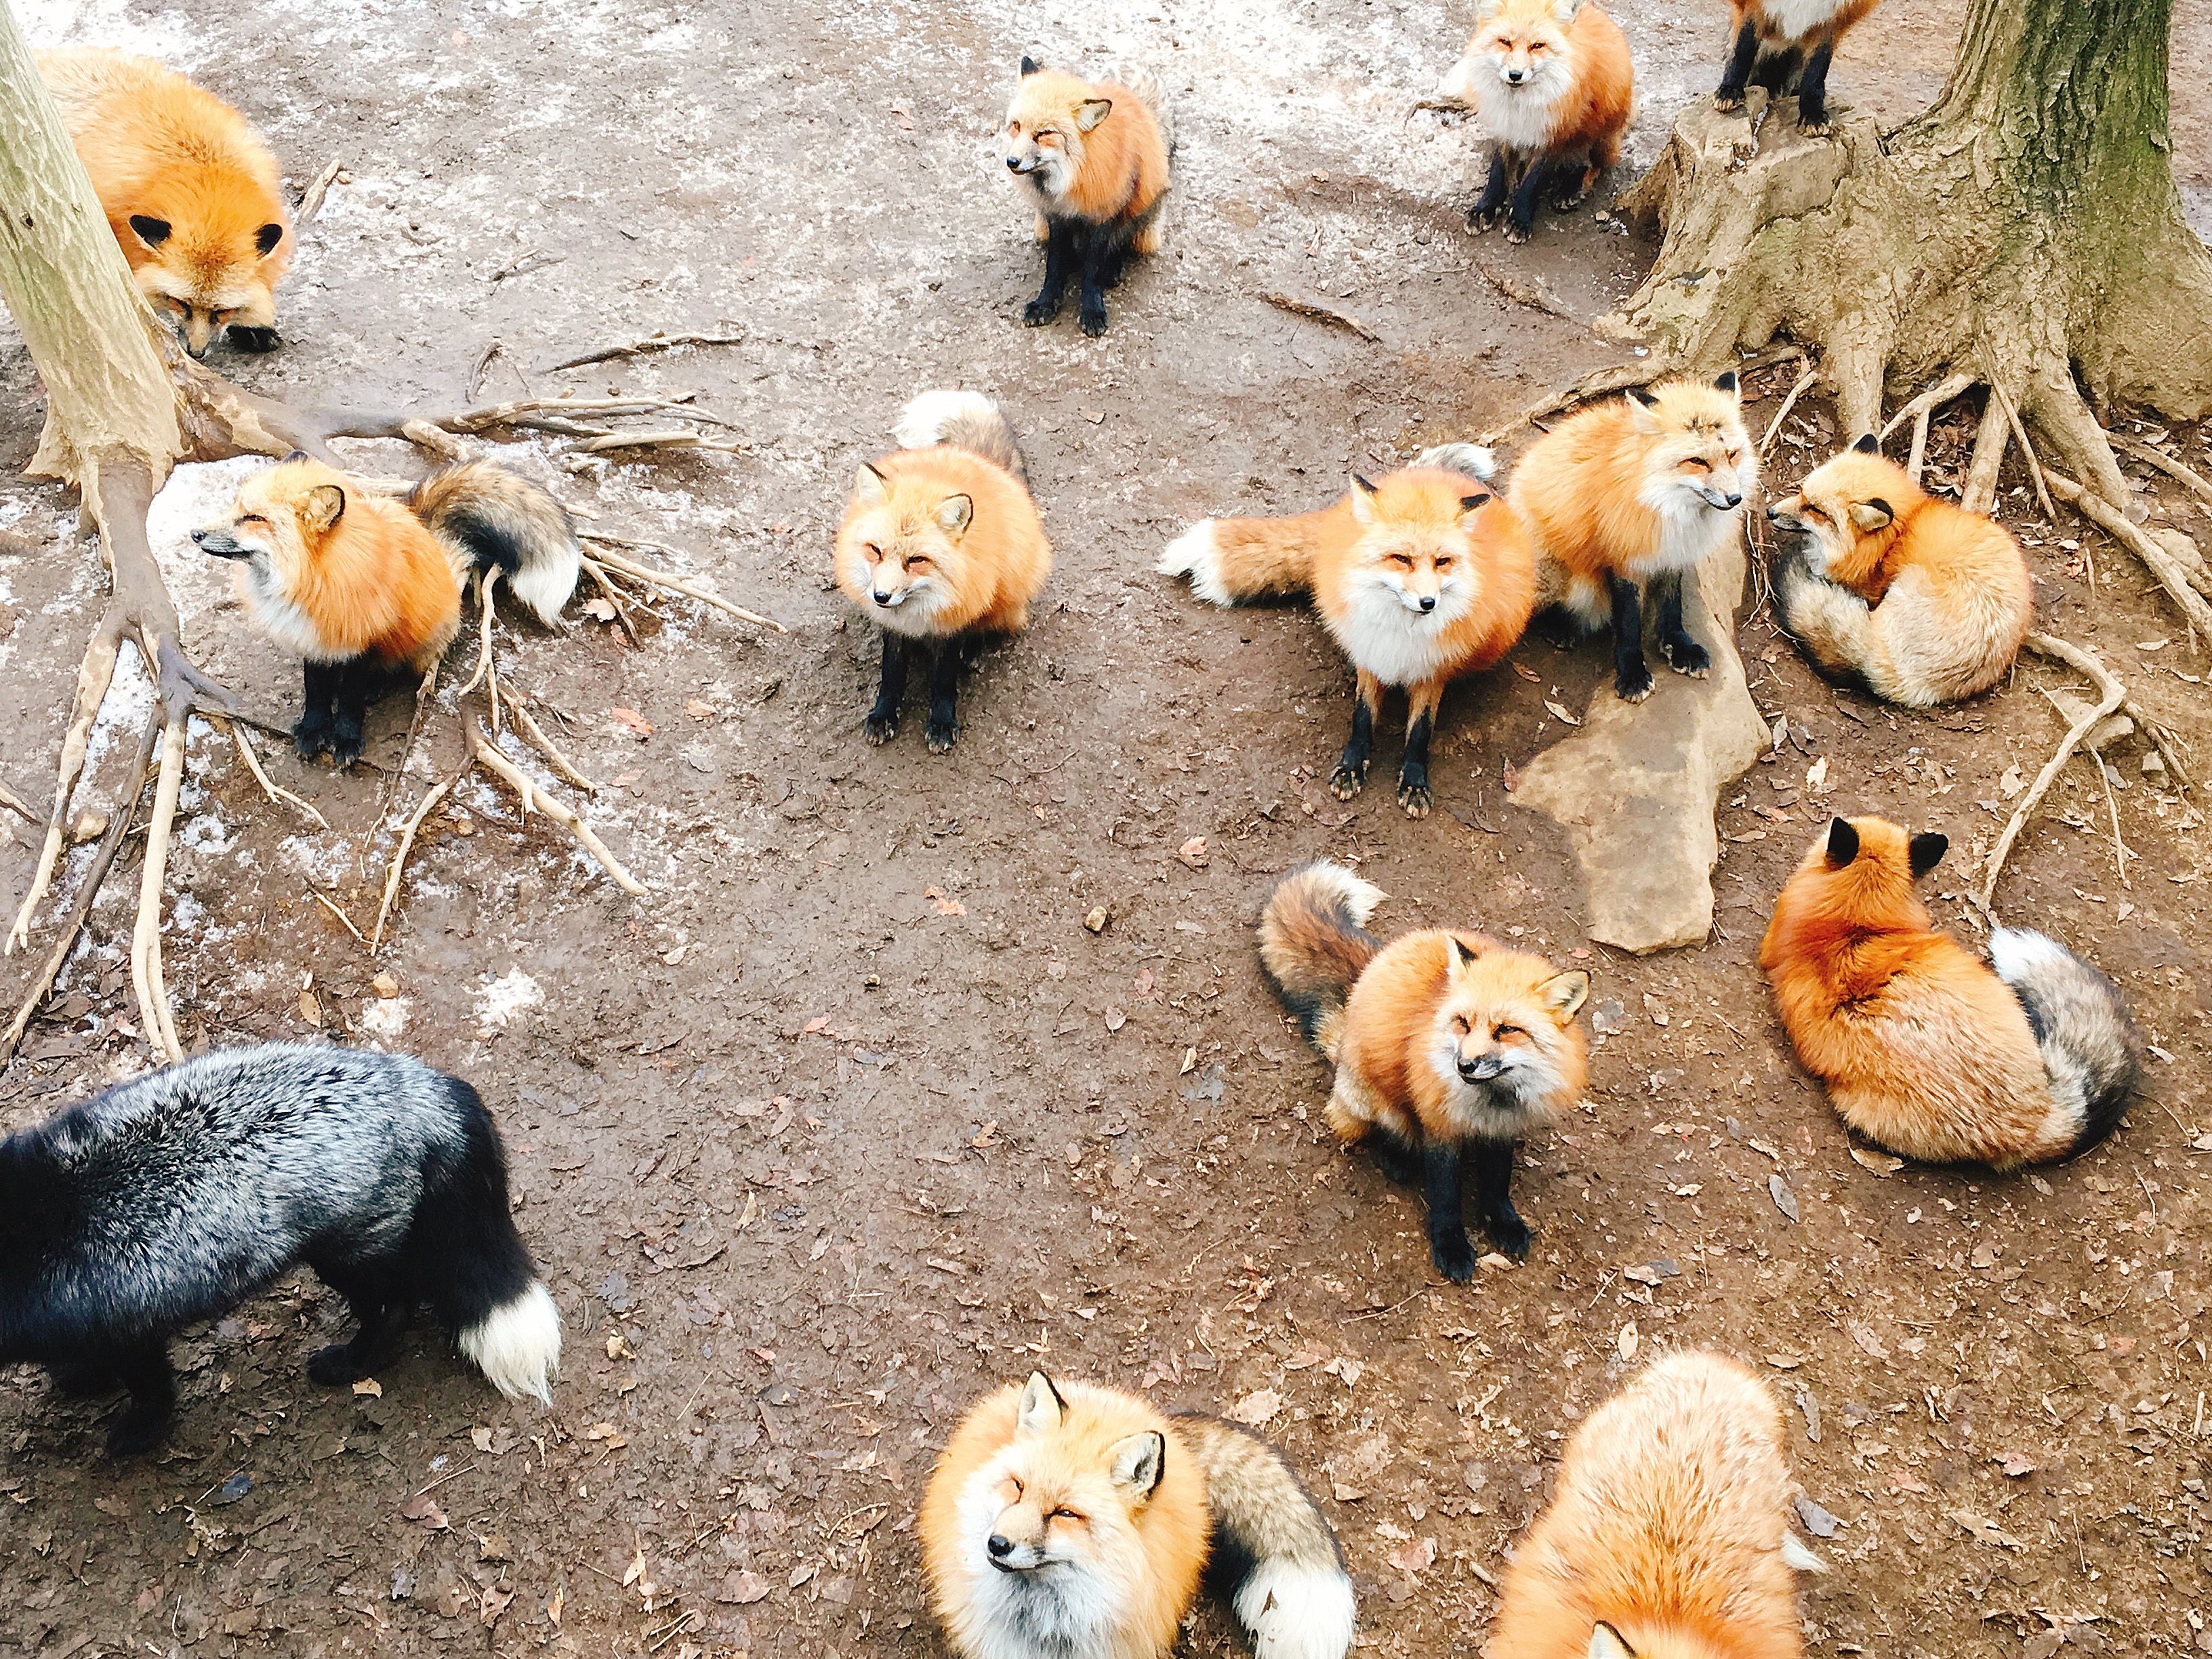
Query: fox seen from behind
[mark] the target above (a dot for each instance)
(1786, 46)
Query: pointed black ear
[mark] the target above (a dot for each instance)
(1926, 851)
(1642, 395)
(1029, 66)
(267, 237)
(1363, 486)
(1726, 382)
(151, 231)
(1467, 957)
(296, 455)
(1867, 444)
(1468, 503)
(1843, 842)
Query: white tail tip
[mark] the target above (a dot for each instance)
(1473, 460)
(1196, 554)
(1297, 1612)
(928, 417)
(517, 1345)
(1797, 1553)
(545, 587)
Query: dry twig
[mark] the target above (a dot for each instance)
(652, 343)
(1774, 427)
(2110, 695)
(15, 804)
(598, 572)
(1952, 387)
(431, 797)
(1321, 313)
(254, 765)
(668, 578)
(562, 814)
(2163, 565)
(535, 734)
(1524, 291)
(311, 202)
(2164, 462)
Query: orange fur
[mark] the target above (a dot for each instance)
(1767, 20)
(159, 148)
(1120, 164)
(1591, 113)
(980, 578)
(1923, 1049)
(1667, 1525)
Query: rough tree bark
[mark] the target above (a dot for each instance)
(2025, 233)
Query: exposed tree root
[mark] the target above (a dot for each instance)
(431, 797)
(2111, 695)
(532, 797)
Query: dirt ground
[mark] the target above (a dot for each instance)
(852, 1118)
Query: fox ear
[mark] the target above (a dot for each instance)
(1363, 500)
(1605, 1644)
(1042, 1407)
(1469, 503)
(1867, 444)
(267, 237)
(1643, 410)
(151, 231)
(1463, 955)
(870, 486)
(1138, 1462)
(1091, 112)
(1725, 382)
(953, 514)
(1843, 842)
(1925, 851)
(1565, 10)
(1564, 994)
(1871, 516)
(296, 455)
(1029, 66)
(326, 505)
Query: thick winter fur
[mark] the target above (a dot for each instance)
(941, 543)
(1923, 1049)
(1556, 90)
(1786, 46)
(1668, 1537)
(1420, 578)
(189, 188)
(1092, 158)
(1918, 600)
(1074, 1522)
(1448, 1046)
(1625, 499)
(169, 1200)
(362, 587)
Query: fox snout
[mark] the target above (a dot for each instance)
(1724, 500)
(1514, 75)
(1779, 516)
(1480, 1068)
(1022, 164)
(221, 543)
(887, 600)
(1007, 1556)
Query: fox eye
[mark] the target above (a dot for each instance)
(1404, 561)
(875, 554)
(1014, 129)
(252, 518)
(1443, 562)
(1460, 1025)
(1695, 463)
(1064, 1514)
(1505, 1032)
(916, 560)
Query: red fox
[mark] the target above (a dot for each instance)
(1920, 601)
(1420, 578)
(361, 586)
(1634, 494)
(1447, 1046)
(1556, 88)
(189, 188)
(1786, 39)
(1075, 1521)
(1923, 1049)
(1092, 159)
(1669, 1536)
(941, 543)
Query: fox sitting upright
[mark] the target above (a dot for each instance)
(189, 188)
(1067, 1521)
(1556, 89)
(941, 543)
(1919, 600)
(1447, 1045)
(1419, 578)
(1782, 42)
(1092, 159)
(1631, 496)
(362, 587)
(1925, 1050)
(1668, 1537)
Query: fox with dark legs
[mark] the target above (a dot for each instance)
(171, 1199)
(1786, 46)
(1448, 1047)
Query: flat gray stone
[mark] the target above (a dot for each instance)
(1634, 786)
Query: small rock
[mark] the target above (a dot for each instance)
(385, 986)
(1095, 921)
(1817, 1521)
(1608, 1017)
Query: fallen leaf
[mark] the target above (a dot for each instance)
(2015, 1464)
(1786, 1362)
(1528, 673)
(1816, 775)
(1415, 1555)
(599, 608)
(1785, 1200)
(741, 1589)
(310, 1010)
(370, 1386)
(1561, 712)
(1115, 1019)
(1818, 1521)
(424, 1509)
(1881, 1163)
(945, 906)
(1509, 775)
(554, 1605)
(905, 116)
(698, 710)
(1626, 1342)
(1985, 1530)
(1194, 854)
(1863, 1336)
(1256, 1409)
(495, 1602)
(1189, 1062)
(636, 1571)
(636, 721)
(2012, 782)
(385, 986)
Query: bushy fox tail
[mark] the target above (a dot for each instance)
(1473, 460)
(965, 420)
(1835, 628)
(1273, 1549)
(496, 519)
(1146, 85)
(2092, 1051)
(1314, 942)
(1230, 559)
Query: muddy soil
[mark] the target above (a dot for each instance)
(853, 1117)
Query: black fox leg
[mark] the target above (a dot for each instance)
(84, 1378)
(1103, 253)
(1523, 215)
(1813, 90)
(1493, 1198)
(1449, 1244)
(1413, 791)
(380, 1304)
(1777, 71)
(1572, 182)
(1683, 655)
(311, 733)
(251, 337)
(1632, 676)
(1483, 216)
(1396, 1155)
(883, 720)
(355, 685)
(145, 1372)
(1351, 774)
(943, 726)
(1060, 255)
(1737, 76)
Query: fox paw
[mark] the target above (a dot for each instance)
(1415, 797)
(1568, 200)
(1480, 219)
(880, 728)
(1633, 685)
(1509, 1234)
(345, 748)
(248, 337)
(1348, 781)
(1092, 319)
(1516, 234)
(334, 1366)
(940, 735)
(1038, 312)
(310, 737)
(1455, 1257)
(1729, 103)
(136, 1432)
(1818, 127)
(1686, 656)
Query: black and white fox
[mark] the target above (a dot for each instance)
(170, 1199)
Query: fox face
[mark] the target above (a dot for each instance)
(278, 531)
(1043, 139)
(1697, 457)
(1505, 1027)
(904, 549)
(1425, 565)
(1517, 43)
(218, 273)
(1845, 512)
